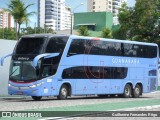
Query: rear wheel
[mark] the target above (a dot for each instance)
(127, 91)
(63, 93)
(137, 91)
(37, 98)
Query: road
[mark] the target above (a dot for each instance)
(147, 102)
(14, 104)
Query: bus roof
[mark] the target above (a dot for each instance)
(114, 40)
(45, 35)
(84, 37)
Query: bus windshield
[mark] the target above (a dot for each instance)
(30, 46)
(22, 71)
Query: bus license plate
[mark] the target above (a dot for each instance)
(20, 93)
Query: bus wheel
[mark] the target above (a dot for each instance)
(127, 91)
(63, 93)
(137, 91)
(37, 98)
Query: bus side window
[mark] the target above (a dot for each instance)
(77, 47)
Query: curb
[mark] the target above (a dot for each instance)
(127, 109)
(139, 108)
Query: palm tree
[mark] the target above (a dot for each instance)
(18, 10)
(83, 31)
(106, 33)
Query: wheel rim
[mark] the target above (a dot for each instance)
(64, 92)
(137, 91)
(127, 91)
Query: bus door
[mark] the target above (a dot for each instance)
(152, 79)
(49, 69)
(48, 80)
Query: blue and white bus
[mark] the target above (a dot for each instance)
(62, 66)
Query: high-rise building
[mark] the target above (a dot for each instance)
(6, 20)
(54, 14)
(105, 5)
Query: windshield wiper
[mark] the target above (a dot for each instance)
(13, 72)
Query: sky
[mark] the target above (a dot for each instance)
(71, 3)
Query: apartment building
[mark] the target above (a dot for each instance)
(54, 14)
(105, 5)
(6, 20)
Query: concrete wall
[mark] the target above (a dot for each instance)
(6, 47)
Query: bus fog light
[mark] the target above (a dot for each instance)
(9, 85)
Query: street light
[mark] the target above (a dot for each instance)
(72, 12)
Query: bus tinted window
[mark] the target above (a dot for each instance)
(153, 51)
(97, 47)
(77, 47)
(95, 72)
(141, 51)
(56, 45)
(129, 51)
(30, 46)
(94, 47)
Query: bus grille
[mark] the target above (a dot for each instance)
(152, 84)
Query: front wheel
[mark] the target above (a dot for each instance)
(127, 91)
(36, 98)
(137, 91)
(63, 93)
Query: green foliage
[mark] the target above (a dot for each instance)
(8, 33)
(140, 23)
(36, 30)
(106, 33)
(119, 34)
(18, 10)
(83, 31)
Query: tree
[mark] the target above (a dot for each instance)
(36, 30)
(106, 33)
(125, 20)
(83, 31)
(18, 10)
(7, 33)
(141, 22)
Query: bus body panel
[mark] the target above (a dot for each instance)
(136, 70)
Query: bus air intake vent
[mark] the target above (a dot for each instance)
(152, 84)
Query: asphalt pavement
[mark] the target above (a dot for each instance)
(147, 102)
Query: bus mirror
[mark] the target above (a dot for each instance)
(3, 58)
(52, 55)
(45, 56)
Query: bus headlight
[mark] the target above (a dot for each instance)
(36, 85)
(39, 84)
(32, 86)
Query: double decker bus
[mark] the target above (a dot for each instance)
(62, 66)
